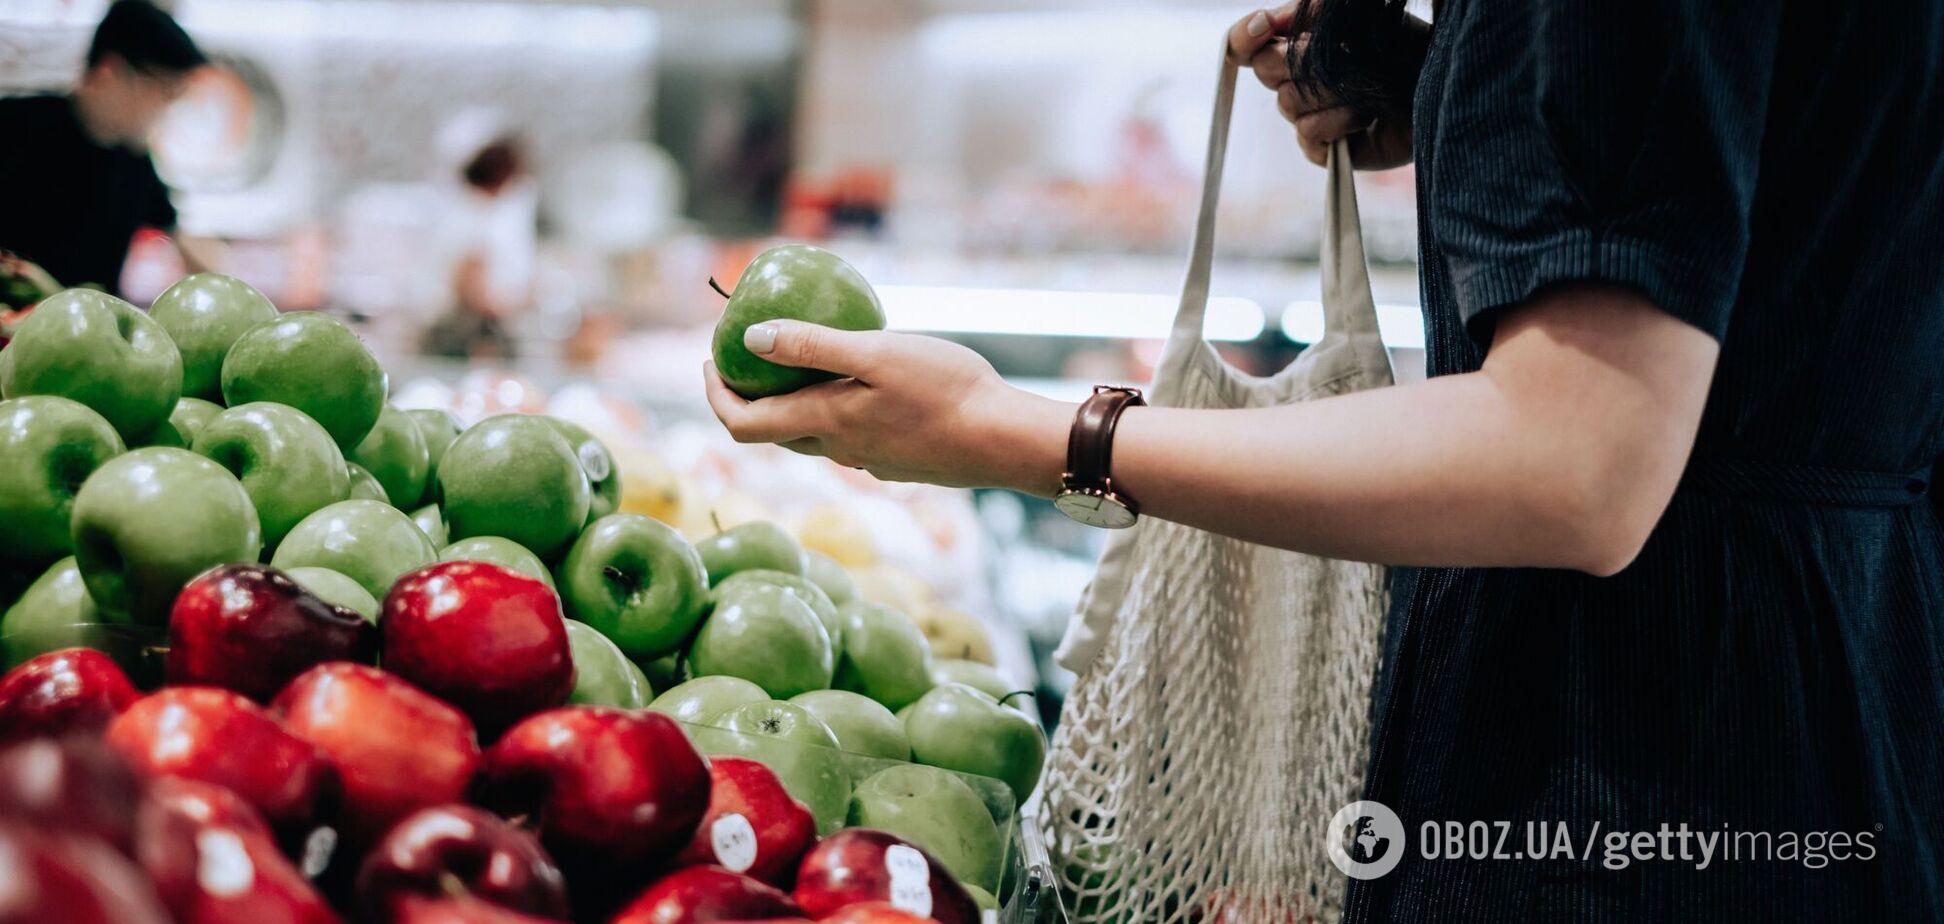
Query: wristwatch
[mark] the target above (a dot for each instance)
(1087, 491)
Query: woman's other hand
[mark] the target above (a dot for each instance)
(912, 408)
(1260, 43)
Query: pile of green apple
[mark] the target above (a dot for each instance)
(140, 450)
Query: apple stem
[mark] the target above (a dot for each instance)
(452, 885)
(1002, 699)
(718, 287)
(716, 521)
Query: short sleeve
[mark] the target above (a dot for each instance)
(1595, 141)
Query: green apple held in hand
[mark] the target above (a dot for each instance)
(500, 551)
(885, 657)
(862, 725)
(981, 677)
(188, 419)
(365, 540)
(439, 428)
(763, 634)
(636, 580)
(603, 676)
(204, 314)
(313, 363)
(603, 476)
(937, 811)
(759, 546)
(394, 452)
(148, 520)
(830, 576)
(802, 752)
(513, 476)
(362, 485)
(798, 282)
(48, 446)
(431, 522)
(101, 351)
(802, 589)
(288, 464)
(960, 728)
(335, 588)
(705, 700)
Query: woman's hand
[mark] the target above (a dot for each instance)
(912, 409)
(1260, 43)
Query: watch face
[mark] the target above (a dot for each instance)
(1094, 510)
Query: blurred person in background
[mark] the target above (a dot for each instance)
(80, 182)
(487, 245)
(1667, 564)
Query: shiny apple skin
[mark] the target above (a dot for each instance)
(75, 880)
(782, 827)
(849, 867)
(214, 861)
(71, 691)
(75, 785)
(220, 737)
(704, 894)
(250, 628)
(446, 847)
(487, 639)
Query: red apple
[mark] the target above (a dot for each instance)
(214, 861)
(610, 786)
(705, 894)
(395, 747)
(461, 909)
(487, 639)
(75, 785)
(874, 913)
(216, 736)
(753, 825)
(51, 878)
(72, 690)
(862, 865)
(249, 628)
(453, 850)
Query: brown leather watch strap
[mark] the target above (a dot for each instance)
(1090, 444)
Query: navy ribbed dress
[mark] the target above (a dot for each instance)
(1773, 662)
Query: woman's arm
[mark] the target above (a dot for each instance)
(1561, 452)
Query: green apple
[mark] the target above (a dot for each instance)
(313, 363)
(603, 676)
(800, 587)
(101, 351)
(55, 613)
(982, 677)
(705, 700)
(365, 540)
(432, 523)
(500, 551)
(765, 635)
(333, 587)
(800, 749)
(665, 672)
(603, 475)
(394, 452)
(750, 547)
(885, 656)
(362, 485)
(799, 282)
(148, 520)
(862, 725)
(981, 897)
(961, 728)
(938, 812)
(188, 419)
(204, 314)
(638, 581)
(49, 445)
(288, 464)
(826, 573)
(439, 428)
(514, 476)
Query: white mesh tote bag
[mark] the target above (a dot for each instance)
(1221, 713)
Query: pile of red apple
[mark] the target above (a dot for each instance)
(388, 669)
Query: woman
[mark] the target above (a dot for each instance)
(1663, 494)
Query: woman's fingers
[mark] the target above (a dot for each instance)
(772, 420)
(1271, 64)
(1257, 29)
(1316, 131)
(813, 346)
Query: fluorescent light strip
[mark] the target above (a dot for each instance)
(1054, 313)
(1401, 326)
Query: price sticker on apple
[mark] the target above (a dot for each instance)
(734, 840)
(910, 879)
